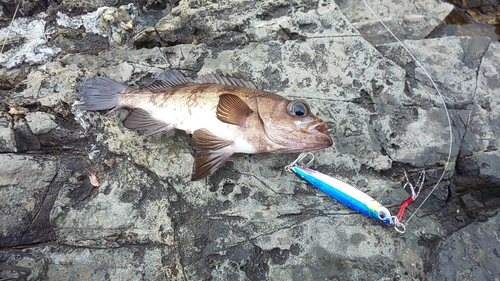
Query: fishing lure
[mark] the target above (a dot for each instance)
(353, 197)
(420, 182)
(360, 201)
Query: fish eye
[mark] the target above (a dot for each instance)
(298, 108)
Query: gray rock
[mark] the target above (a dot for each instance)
(111, 22)
(56, 262)
(10, 78)
(406, 19)
(28, 43)
(24, 184)
(122, 210)
(47, 87)
(116, 22)
(41, 122)
(191, 23)
(471, 201)
(88, 21)
(25, 139)
(251, 220)
(7, 138)
(469, 254)
(478, 163)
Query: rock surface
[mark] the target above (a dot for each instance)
(252, 220)
(469, 253)
(487, 12)
(406, 19)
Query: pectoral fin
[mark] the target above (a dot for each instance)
(213, 153)
(140, 119)
(232, 109)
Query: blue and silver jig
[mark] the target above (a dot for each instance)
(345, 193)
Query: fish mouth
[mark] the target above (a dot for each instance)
(307, 137)
(322, 127)
(319, 129)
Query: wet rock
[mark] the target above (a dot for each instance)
(10, 78)
(54, 261)
(480, 157)
(482, 11)
(469, 255)
(467, 23)
(25, 183)
(471, 200)
(78, 41)
(406, 19)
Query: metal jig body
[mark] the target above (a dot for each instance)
(348, 194)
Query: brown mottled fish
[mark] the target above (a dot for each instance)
(225, 115)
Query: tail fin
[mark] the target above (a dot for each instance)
(100, 93)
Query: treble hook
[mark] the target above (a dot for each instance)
(415, 189)
(303, 155)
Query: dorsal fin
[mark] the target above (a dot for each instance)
(216, 78)
(167, 79)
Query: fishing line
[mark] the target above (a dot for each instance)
(10, 26)
(440, 97)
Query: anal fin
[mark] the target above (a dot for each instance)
(140, 119)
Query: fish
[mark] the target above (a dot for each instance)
(224, 115)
